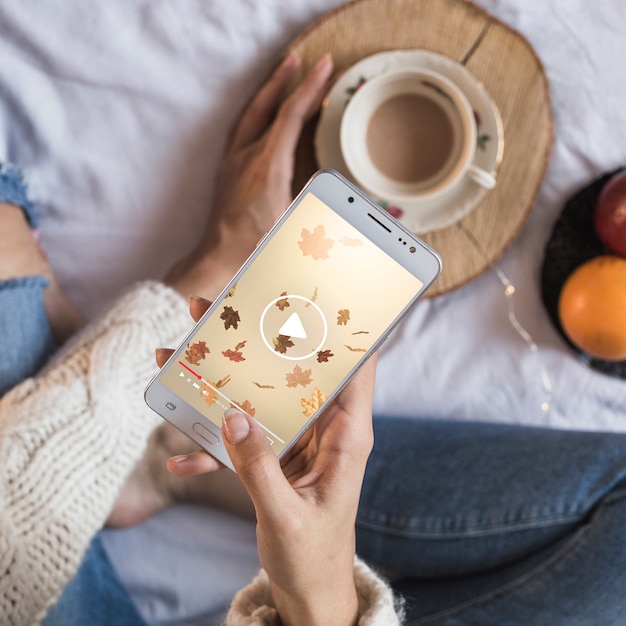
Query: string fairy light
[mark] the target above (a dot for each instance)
(509, 292)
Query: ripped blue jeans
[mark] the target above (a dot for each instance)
(26, 344)
(26, 340)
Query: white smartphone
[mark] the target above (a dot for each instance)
(320, 293)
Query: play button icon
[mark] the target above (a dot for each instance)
(293, 327)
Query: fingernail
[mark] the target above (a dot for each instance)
(236, 426)
(178, 463)
(291, 60)
(179, 458)
(326, 60)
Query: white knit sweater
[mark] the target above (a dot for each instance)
(70, 436)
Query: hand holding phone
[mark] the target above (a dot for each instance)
(308, 555)
(321, 292)
(356, 265)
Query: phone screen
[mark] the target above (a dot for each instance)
(312, 302)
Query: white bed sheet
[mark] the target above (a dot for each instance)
(118, 112)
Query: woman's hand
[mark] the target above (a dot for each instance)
(306, 509)
(253, 187)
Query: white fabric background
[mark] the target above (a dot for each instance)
(118, 112)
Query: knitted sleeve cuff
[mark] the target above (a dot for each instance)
(254, 606)
(69, 437)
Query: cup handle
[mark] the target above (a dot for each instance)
(480, 176)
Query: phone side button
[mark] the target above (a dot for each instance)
(206, 434)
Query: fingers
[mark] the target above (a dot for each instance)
(255, 463)
(162, 354)
(350, 415)
(356, 400)
(359, 392)
(300, 106)
(194, 464)
(261, 109)
(198, 307)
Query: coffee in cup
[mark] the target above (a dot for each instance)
(410, 134)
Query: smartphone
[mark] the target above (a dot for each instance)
(320, 293)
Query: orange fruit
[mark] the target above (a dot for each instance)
(592, 307)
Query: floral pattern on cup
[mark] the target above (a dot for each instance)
(481, 138)
(436, 89)
(354, 88)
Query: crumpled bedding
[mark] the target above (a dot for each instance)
(118, 113)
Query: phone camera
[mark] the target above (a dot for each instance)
(350, 199)
(412, 249)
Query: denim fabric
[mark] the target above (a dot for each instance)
(490, 524)
(95, 596)
(13, 190)
(476, 524)
(26, 340)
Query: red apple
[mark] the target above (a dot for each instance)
(609, 217)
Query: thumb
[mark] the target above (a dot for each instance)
(254, 461)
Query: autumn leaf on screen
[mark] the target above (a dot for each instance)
(222, 381)
(281, 343)
(350, 242)
(298, 377)
(231, 293)
(343, 316)
(313, 298)
(196, 352)
(260, 386)
(283, 303)
(361, 332)
(245, 406)
(208, 393)
(230, 317)
(324, 355)
(315, 243)
(235, 355)
(312, 404)
(355, 349)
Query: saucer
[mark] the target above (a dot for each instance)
(423, 216)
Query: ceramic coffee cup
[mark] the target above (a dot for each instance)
(410, 134)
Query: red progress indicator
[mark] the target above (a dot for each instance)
(190, 370)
